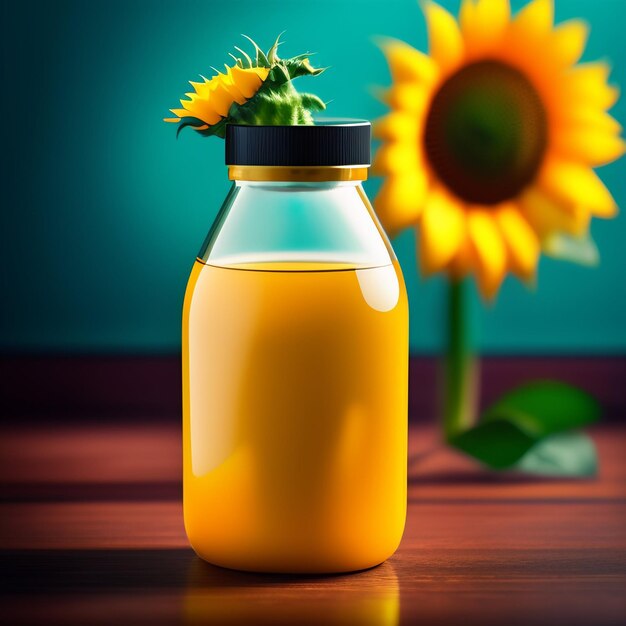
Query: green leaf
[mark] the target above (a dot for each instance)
(497, 444)
(563, 454)
(581, 250)
(522, 418)
(545, 407)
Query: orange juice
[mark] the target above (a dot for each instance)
(295, 415)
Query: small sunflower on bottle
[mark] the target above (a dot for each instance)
(489, 152)
(255, 90)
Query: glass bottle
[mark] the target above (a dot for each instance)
(295, 358)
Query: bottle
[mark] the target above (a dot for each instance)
(295, 362)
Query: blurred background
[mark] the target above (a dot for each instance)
(104, 210)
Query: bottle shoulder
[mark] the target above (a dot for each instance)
(297, 222)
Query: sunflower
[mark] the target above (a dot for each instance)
(212, 98)
(255, 90)
(492, 138)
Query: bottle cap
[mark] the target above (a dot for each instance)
(327, 143)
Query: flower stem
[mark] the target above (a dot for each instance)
(460, 368)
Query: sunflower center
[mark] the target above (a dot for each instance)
(486, 132)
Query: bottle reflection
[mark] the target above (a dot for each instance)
(218, 596)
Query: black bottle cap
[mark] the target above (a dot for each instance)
(327, 143)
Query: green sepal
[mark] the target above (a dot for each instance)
(237, 60)
(301, 66)
(246, 61)
(218, 129)
(260, 59)
(272, 54)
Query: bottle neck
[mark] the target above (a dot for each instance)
(303, 174)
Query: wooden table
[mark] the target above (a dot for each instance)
(91, 533)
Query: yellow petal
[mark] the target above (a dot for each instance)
(221, 99)
(171, 119)
(535, 19)
(468, 23)
(547, 216)
(235, 93)
(589, 118)
(201, 108)
(525, 44)
(568, 41)
(588, 146)
(483, 24)
(521, 240)
(587, 84)
(441, 231)
(400, 201)
(573, 184)
(408, 97)
(490, 251)
(211, 99)
(408, 64)
(248, 81)
(396, 125)
(262, 72)
(444, 36)
(199, 88)
(396, 157)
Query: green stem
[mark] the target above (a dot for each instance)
(461, 371)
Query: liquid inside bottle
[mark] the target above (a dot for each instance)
(300, 365)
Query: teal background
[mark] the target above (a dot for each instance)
(103, 210)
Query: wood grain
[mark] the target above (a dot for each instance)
(91, 533)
